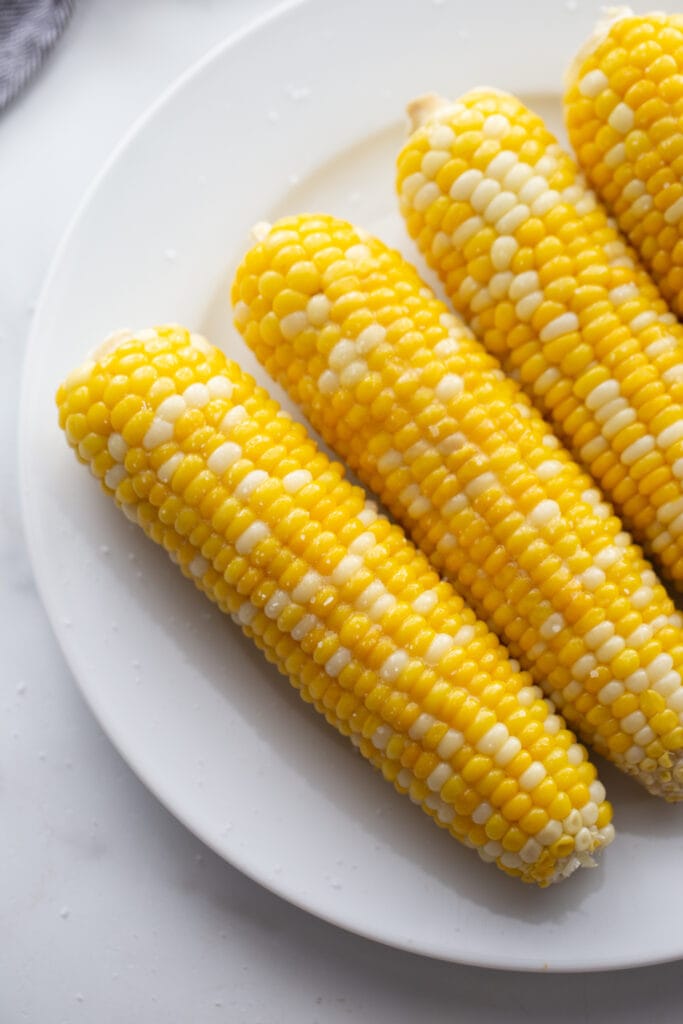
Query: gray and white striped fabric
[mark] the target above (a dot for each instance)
(28, 31)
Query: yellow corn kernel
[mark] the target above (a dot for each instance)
(351, 611)
(510, 519)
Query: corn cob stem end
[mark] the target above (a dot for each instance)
(124, 334)
(100, 352)
(422, 108)
(260, 231)
(111, 342)
(430, 105)
(668, 783)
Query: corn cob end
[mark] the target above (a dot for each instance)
(260, 230)
(430, 106)
(608, 17)
(422, 108)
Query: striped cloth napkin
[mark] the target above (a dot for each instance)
(28, 31)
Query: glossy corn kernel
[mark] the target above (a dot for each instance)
(623, 108)
(533, 266)
(268, 528)
(425, 417)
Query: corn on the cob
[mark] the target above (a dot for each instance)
(425, 417)
(533, 266)
(337, 598)
(624, 115)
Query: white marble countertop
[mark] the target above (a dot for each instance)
(110, 910)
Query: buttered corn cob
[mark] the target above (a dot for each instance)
(337, 598)
(530, 261)
(624, 115)
(425, 417)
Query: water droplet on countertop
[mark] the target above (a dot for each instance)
(170, 254)
(79, 997)
(294, 178)
(64, 913)
(21, 688)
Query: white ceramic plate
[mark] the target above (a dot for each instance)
(302, 112)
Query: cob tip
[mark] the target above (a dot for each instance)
(260, 230)
(422, 108)
(608, 17)
(429, 105)
(111, 342)
(124, 334)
